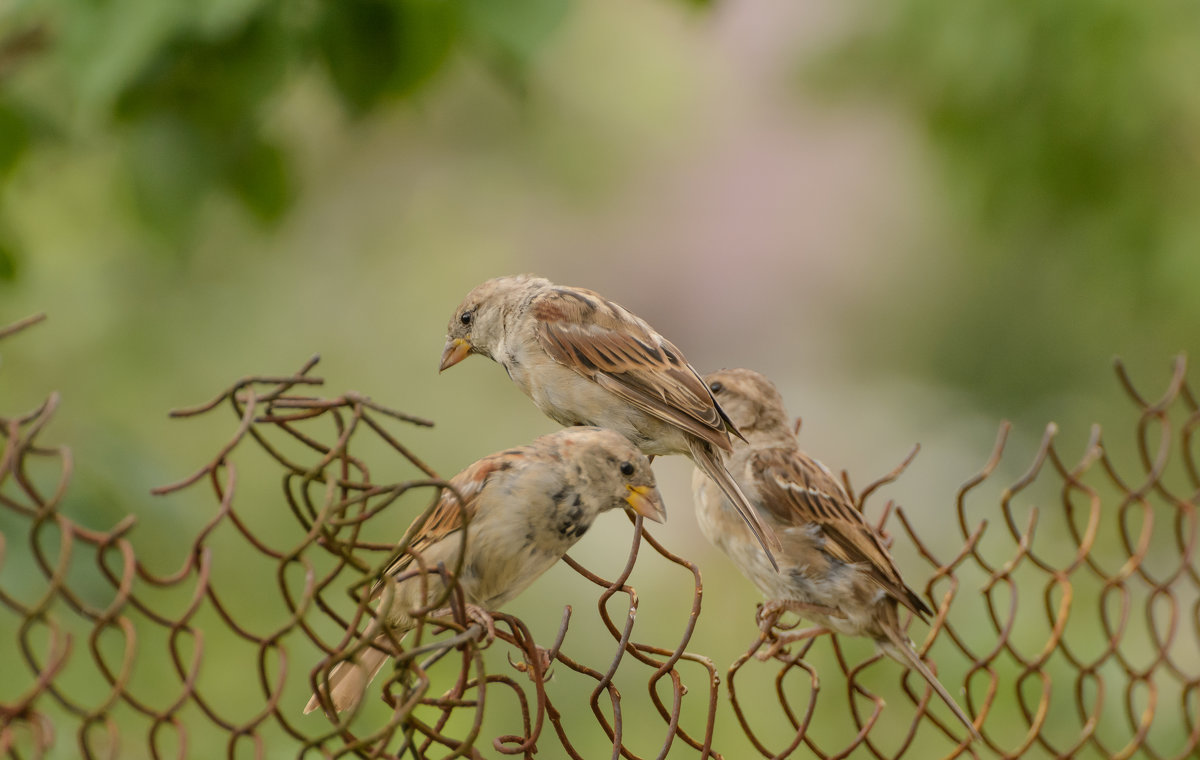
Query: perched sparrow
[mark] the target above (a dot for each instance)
(523, 509)
(833, 567)
(584, 360)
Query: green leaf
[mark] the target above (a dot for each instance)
(518, 27)
(357, 42)
(374, 48)
(259, 176)
(104, 46)
(429, 30)
(172, 166)
(219, 84)
(194, 118)
(14, 138)
(221, 14)
(8, 259)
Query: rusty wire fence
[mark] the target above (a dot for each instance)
(1067, 614)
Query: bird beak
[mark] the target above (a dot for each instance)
(646, 502)
(456, 350)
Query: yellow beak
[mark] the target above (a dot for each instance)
(456, 350)
(646, 502)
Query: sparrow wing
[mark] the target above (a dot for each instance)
(797, 490)
(451, 512)
(605, 343)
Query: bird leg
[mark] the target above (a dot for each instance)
(770, 610)
(768, 620)
(475, 614)
(781, 640)
(479, 615)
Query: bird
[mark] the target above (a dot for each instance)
(522, 509)
(834, 569)
(585, 360)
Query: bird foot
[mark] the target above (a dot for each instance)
(484, 618)
(770, 610)
(782, 639)
(475, 614)
(525, 666)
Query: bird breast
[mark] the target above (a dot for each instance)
(501, 564)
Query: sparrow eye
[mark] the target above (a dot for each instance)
(626, 469)
(465, 318)
(716, 387)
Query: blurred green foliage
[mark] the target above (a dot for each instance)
(1064, 227)
(187, 87)
(1067, 135)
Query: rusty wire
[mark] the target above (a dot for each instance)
(1035, 601)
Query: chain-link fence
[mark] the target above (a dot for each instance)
(1067, 615)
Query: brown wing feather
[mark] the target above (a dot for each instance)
(448, 516)
(796, 490)
(603, 342)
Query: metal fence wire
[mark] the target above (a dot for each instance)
(1067, 614)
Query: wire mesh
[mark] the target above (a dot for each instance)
(1067, 613)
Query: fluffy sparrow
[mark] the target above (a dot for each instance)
(584, 360)
(833, 568)
(522, 510)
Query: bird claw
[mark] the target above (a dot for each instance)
(481, 616)
(770, 610)
(780, 640)
(475, 614)
(768, 623)
(766, 615)
(526, 667)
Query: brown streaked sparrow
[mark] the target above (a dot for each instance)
(833, 567)
(523, 509)
(584, 360)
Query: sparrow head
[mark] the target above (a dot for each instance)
(750, 400)
(478, 324)
(612, 472)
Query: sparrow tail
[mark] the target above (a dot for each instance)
(899, 648)
(349, 678)
(707, 459)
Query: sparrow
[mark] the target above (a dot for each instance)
(585, 360)
(521, 509)
(833, 567)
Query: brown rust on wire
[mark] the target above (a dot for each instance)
(1094, 496)
(1113, 549)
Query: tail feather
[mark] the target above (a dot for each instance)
(706, 458)
(349, 679)
(899, 648)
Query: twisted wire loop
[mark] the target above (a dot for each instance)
(187, 663)
(1067, 612)
(1075, 629)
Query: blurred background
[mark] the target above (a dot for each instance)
(919, 219)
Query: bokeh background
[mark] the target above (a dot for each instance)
(918, 218)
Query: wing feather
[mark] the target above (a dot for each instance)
(797, 489)
(607, 344)
(450, 512)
